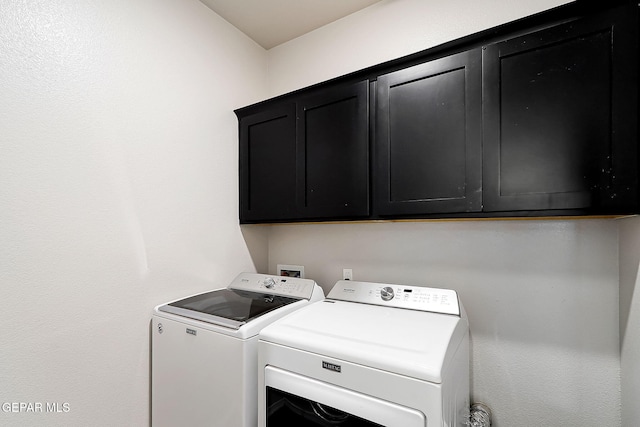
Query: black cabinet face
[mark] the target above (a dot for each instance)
(307, 158)
(333, 153)
(428, 139)
(555, 117)
(542, 122)
(267, 165)
(553, 101)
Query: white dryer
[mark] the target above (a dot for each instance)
(371, 354)
(204, 350)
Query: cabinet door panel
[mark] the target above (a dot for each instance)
(428, 142)
(333, 153)
(267, 165)
(557, 118)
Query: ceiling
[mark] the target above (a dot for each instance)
(273, 22)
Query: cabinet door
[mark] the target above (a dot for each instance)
(333, 153)
(267, 165)
(428, 137)
(560, 117)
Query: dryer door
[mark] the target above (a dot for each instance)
(294, 400)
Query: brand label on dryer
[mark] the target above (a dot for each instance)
(191, 331)
(331, 366)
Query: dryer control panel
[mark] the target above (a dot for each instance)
(293, 287)
(399, 296)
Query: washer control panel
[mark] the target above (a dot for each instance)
(399, 296)
(293, 287)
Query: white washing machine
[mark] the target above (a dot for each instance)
(204, 350)
(369, 355)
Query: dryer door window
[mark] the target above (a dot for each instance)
(295, 400)
(288, 410)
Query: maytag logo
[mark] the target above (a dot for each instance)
(331, 366)
(191, 331)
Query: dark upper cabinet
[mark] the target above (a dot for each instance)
(306, 157)
(267, 164)
(560, 117)
(538, 117)
(333, 153)
(428, 137)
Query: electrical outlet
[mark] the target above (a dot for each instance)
(347, 274)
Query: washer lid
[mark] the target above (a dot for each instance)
(413, 343)
(231, 308)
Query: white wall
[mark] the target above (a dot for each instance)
(542, 300)
(118, 187)
(542, 296)
(630, 319)
(384, 31)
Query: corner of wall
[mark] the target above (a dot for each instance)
(629, 263)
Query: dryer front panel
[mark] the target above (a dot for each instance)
(292, 399)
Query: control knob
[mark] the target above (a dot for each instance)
(386, 293)
(269, 283)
